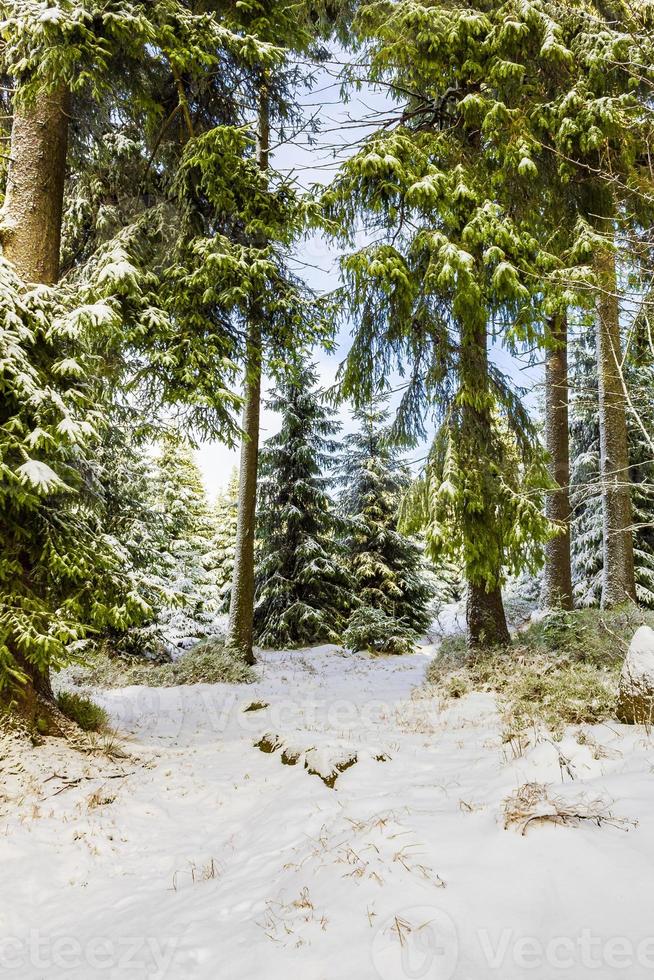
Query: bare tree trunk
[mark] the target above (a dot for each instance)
(618, 582)
(30, 223)
(485, 617)
(241, 609)
(557, 574)
(30, 233)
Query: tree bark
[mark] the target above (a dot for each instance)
(30, 233)
(557, 574)
(485, 617)
(30, 222)
(618, 581)
(241, 609)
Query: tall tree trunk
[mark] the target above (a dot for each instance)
(485, 617)
(30, 223)
(241, 609)
(618, 581)
(30, 233)
(557, 574)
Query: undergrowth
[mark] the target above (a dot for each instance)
(206, 663)
(373, 630)
(83, 711)
(559, 671)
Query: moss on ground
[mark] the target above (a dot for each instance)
(559, 671)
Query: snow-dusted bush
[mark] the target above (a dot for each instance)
(372, 629)
(206, 663)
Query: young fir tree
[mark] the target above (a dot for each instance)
(122, 476)
(180, 497)
(386, 566)
(220, 561)
(303, 591)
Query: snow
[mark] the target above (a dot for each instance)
(40, 475)
(639, 662)
(202, 856)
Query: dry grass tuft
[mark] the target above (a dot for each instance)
(560, 671)
(208, 662)
(532, 803)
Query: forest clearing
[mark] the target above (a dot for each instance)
(191, 851)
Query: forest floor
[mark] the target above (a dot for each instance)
(198, 850)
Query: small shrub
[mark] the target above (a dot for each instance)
(207, 662)
(456, 686)
(86, 713)
(139, 642)
(534, 803)
(371, 629)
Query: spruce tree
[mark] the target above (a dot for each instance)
(481, 195)
(585, 473)
(62, 575)
(557, 568)
(303, 592)
(124, 314)
(639, 378)
(180, 498)
(449, 192)
(223, 543)
(386, 566)
(299, 26)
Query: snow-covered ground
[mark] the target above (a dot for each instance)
(202, 856)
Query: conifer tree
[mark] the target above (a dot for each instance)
(299, 26)
(586, 481)
(452, 259)
(585, 475)
(386, 566)
(303, 592)
(557, 567)
(62, 576)
(475, 193)
(114, 69)
(180, 498)
(223, 544)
